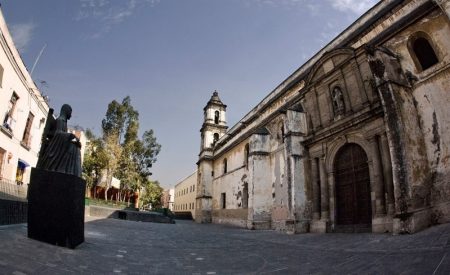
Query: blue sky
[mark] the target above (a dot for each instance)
(169, 56)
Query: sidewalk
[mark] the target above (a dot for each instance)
(116, 246)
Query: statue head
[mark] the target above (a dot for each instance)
(66, 111)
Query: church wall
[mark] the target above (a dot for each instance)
(279, 194)
(233, 184)
(431, 98)
(401, 123)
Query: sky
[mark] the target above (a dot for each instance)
(169, 56)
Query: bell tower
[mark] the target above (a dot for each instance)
(214, 122)
(213, 128)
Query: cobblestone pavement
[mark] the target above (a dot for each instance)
(116, 246)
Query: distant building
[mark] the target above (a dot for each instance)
(23, 112)
(167, 198)
(356, 139)
(185, 195)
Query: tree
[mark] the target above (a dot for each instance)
(129, 159)
(151, 194)
(113, 152)
(145, 153)
(95, 160)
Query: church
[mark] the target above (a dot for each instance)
(355, 140)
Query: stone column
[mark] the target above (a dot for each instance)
(324, 194)
(316, 188)
(331, 196)
(299, 212)
(387, 174)
(260, 181)
(402, 123)
(203, 213)
(380, 208)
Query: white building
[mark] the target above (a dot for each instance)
(185, 195)
(23, 112)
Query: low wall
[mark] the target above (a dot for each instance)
(12, 212)
(141, 216)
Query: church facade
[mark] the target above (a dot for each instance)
(355, 140)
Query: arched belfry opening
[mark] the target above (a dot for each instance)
(422, 51)
(216, 117)
(352, 185)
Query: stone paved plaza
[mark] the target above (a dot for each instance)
(116, 246)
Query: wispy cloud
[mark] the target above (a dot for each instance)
(109, 12)
(355, 6)
(314, 6)
(22, 34)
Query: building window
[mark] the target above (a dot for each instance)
(26, 139)
(223, 200)
(1, 75)
(8, 121)
(193, 188)
(216, 117)
(245, 195)
(422, 51)
(216, 137)
(225, 166)
(19, 173)
(2, 157)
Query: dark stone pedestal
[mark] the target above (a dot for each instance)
(56, 208)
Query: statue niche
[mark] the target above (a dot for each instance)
(338, 101)
(60, 151)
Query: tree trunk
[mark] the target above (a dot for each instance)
(106, 193)
(136, 199)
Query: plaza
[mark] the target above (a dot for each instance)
(125, 247)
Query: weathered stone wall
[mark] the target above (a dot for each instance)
(279, 193)
(431, 98)
(234, 183)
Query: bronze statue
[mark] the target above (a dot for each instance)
(60, 150)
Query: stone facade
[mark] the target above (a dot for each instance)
(355, 140)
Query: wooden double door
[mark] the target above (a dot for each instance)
(352, 178)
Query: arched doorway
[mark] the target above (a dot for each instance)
(353, 204)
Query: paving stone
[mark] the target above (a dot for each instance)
(126, 247)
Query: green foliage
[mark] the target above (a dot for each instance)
(151, 194)
(145, 152)
(128, 158)
(95, 160)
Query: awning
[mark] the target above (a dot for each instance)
(22, 164)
